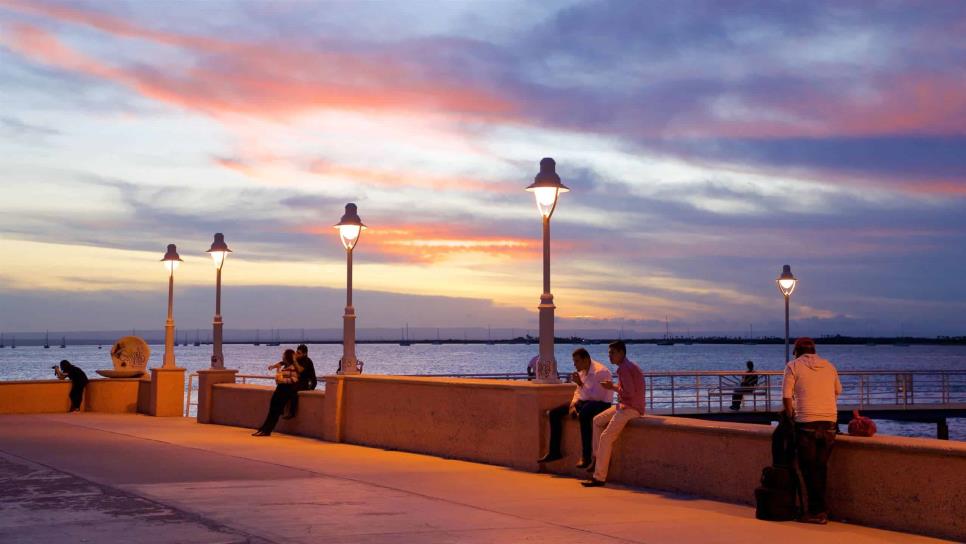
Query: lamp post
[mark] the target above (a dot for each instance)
(219, 252)
(546, 187)
(350, 229)
(171, 261)
(786, 284)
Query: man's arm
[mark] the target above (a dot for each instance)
(788, 391)
(789, 407)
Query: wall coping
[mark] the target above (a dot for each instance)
(252, 387)
(457, 382)
(43, 382)
(935, 446)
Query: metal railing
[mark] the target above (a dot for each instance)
(689, 392)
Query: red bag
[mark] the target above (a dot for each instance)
(861, 425)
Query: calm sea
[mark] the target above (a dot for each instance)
(34, 362)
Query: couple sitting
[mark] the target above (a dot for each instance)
(600, 422)
(294, 373)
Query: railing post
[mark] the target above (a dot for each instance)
(697, 392)
(672, 394)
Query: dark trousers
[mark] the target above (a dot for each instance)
(813, 442)
(736, 401)
(586, 410)
(76, 394)
(283, 395)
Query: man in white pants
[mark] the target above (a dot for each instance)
(609, 423)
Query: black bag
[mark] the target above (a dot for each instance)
(777, 498)
(776, 504)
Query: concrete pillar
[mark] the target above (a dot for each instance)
(333, 413)
(206, 381)
(167, 392)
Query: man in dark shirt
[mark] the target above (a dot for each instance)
(78, 381)
(748, 383)
(307, 379)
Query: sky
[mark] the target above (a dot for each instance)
(705, 144)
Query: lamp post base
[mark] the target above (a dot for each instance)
(547, 363)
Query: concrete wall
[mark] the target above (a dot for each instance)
(904, 484)
(246, 405)
(50, 396)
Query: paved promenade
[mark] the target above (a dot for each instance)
(122, 478)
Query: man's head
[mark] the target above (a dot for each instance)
(301, 351)
(750, 365)
(804, 345)
(64, 365)
(581, 359)
(616, 351)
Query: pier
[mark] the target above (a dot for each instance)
(102, 478)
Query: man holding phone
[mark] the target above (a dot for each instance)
(609, 423)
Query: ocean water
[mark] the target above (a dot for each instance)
(34, 362)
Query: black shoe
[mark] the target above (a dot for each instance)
(736, 408)
(290, 416)
(261, 433)
(550, 457)
(593, 483)
(818, 519)
(583, 464)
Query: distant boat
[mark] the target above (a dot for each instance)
(1, 340)
(667, 334)
(751, 336)
(405, 341)
(437, 342)
(13, 343)
(689, 340)
(257, 342)
(275, 339)
(197, 341)
(63, 342)
(47, 340)
(489, 337)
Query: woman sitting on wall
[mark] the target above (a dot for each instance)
(286, 379)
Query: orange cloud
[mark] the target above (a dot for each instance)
(428, 243)
(261, 80)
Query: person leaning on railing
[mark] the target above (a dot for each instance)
(78, 381)
(286, 379)
(810, 389)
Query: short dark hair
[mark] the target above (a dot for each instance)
(618, 345)
(582, 353)
(750, 365)
(804, 345)
(303, 348)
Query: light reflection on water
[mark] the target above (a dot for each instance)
(34, 362)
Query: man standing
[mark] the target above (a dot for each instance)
(590, 398)
(630, 405)
(307, 379)
(809, 391)
(748, 383)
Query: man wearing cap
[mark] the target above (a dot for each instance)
(810, 388)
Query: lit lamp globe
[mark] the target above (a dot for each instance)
(219, 250)
(350, 227)
(546, 187)
(786, 281)
(171, 259)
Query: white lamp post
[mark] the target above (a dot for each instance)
(786, 284)
(171, 261)
(219, 252)
(350, 229)
(546, 187)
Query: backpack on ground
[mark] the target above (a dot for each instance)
(777, 498)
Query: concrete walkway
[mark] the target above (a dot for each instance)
(124, 478)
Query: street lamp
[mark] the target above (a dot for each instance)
(219, 252)
(171, 261)
(546, 187)
(350, 229)
(786, 284)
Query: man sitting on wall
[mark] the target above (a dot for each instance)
(809, 391)
(590, 398)
(630, 405)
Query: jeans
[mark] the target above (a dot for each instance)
(607, 428)
(813, 442)
(586, 410)
(283, 395)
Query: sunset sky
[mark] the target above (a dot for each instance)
(706, 144)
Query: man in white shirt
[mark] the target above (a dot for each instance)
(810, 388)
(589, 399)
